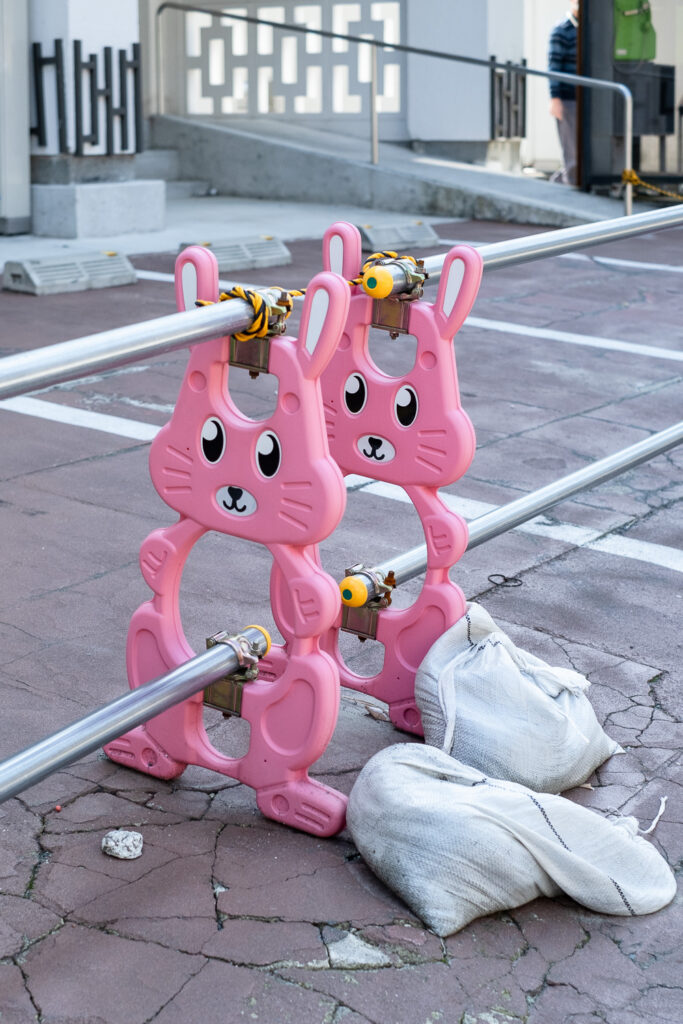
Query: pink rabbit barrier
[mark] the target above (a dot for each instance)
(275, 483)
(279, 482)
(409, 431)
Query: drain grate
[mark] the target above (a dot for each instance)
(72, 273)
(247, 253)
(377, 238)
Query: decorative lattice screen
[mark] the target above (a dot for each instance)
(236, 68)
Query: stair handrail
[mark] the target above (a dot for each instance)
(376, 44)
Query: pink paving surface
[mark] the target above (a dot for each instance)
(228, 916)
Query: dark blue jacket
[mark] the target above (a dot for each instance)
(562, 57)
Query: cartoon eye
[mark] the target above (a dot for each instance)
(268, 453)
(406, 406)
(213, 440)
(355, 393)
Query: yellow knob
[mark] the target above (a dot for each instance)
(378, 282)
(266, 635)
(354, 591)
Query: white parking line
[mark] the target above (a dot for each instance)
(577, 536)
(641, 550)
(588, 340)
(157, 275)
(613, 261)
(81, 418)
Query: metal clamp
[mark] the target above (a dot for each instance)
(391, 313)
(279, 307)
(226, 694)
(415, 276)
(360, 616)
(361, 582)
(254, 354)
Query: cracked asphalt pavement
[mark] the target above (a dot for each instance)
(228, 917)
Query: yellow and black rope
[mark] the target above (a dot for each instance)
(260, 327)
(379, 257)
(629, 177)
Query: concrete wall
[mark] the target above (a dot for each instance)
(447, 101)
(15, 197)
(541, 147)
(667, 18)
(506, 29)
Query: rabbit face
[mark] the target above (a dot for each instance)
(406, 429)
(272, 481)
(411, 429)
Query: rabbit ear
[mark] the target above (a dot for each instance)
(196, 277)
(322, 322)
(458, 287)
(342, 249)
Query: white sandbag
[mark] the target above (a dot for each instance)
(506, 712)
(456, 845)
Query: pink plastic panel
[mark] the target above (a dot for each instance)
(273, 482)
(410, 431)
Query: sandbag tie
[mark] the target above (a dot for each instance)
(660, 812)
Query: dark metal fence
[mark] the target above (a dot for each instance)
(87, 104)
(508, 101)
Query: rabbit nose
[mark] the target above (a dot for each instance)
(235, 493)
(375, 443)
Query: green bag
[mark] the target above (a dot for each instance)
(634, 34)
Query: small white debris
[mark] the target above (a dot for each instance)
(122, 843)
(352, 952)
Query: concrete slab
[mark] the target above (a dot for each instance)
(89, 210)
(229, 216)
(266, 157)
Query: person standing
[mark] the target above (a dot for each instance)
(562, 57)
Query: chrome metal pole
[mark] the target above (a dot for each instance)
(159, 66)
(113, 720)
(628, 147)
(374, 118)
(414, 562)
(552, 243)
(69, 360)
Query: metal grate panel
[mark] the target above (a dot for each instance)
(72, 273)
(397, 236)
(247, 253)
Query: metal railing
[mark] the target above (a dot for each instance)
(118, 717)
(69, 360)
(375, 44)
(368, 582)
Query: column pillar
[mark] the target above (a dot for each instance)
(15, 194)
(84, 181)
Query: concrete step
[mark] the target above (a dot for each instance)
(157, 163)
(182, 189)
(273, 159)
